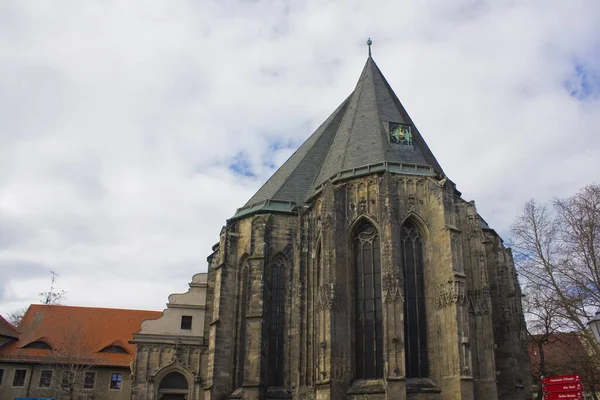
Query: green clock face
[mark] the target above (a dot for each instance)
(400, 134)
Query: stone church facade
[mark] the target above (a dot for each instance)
(356, 272)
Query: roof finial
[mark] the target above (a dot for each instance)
(369, 43)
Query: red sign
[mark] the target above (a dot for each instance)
(552, 380)
(560, 396)
(567, 387)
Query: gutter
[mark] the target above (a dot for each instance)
(30, 379)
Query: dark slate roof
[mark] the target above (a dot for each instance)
(353, 141)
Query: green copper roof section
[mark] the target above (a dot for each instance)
(267, 206)
(354, 141)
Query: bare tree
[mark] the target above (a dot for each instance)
(557, 249)
(69, 362)
(16, 316)
(53, 298)
(543, 322)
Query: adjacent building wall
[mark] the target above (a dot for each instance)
(163, 347)
(31, 388)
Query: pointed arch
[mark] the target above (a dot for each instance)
(419, 222)
(174, 380)
(183, 377)
(314, 280)
(363, 218)
(243, 260)
(277, 275)
(368, 319)
(244, 293)
(318, 261)
(411, 248)
(259, 226)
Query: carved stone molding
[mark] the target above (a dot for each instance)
(327, 221)
(362, 206)
(257, 239)
(473, 228)
(411, 201)
(393, 289)
(362, 199)
(483, 276)
(457, 252)
(329, 297)
(449, 293)
(479, 301)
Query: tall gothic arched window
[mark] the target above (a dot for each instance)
(244, 293)
(369, 317)
(415, 324)
(277, 322)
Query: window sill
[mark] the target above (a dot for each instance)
(370, 386)
(278, 393)
(414, 385)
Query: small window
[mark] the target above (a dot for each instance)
(89, 380)
(19, 379)
(186, 322)
(68, 380)
(114, 349)
(1, 375)
(45, 378)
(38, 344)
(115, 380)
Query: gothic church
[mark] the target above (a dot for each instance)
(357, 271)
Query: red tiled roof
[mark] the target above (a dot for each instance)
(565, 353)
(94, 328)
(6, 329)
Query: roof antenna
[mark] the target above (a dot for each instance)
(369, 43)
(49, 297)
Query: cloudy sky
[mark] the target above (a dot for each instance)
(130, 131)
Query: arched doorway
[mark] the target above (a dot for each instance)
(174, 386)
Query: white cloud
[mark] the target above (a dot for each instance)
(118, 122)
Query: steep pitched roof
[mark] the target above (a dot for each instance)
(353, 141)
(94, 329)
(7, 330)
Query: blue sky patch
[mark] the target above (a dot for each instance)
(281, 144)
(584, 82)
(241, 166)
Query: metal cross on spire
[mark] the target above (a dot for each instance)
(369, 43)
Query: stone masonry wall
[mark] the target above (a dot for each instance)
(466, 273)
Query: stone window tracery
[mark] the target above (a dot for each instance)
(369, 316)
(277, 322)
(240, 354)
(415, 324)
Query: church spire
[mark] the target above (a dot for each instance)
(370, 132)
